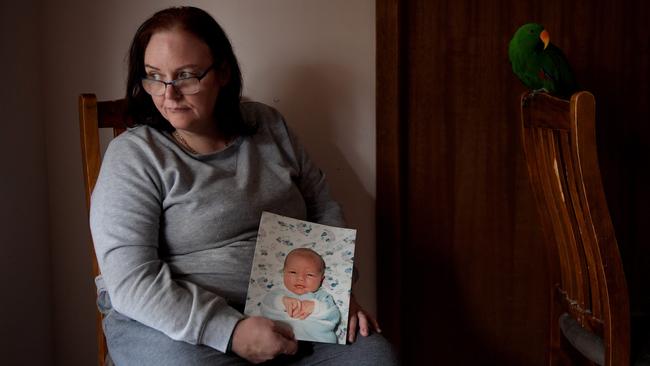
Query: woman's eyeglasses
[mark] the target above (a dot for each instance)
(184, 86)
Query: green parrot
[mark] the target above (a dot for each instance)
(539, 64)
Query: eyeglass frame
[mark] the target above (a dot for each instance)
(172, 83)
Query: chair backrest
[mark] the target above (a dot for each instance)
(94, 115)
(590, 307)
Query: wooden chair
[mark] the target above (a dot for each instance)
(94, 115)
(590, 307)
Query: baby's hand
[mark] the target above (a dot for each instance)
(291, 306)
(306, 308)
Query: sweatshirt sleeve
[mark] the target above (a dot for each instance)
(309, 179)
(125, 220)
(312, 182)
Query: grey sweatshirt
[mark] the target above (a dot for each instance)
(175, 232)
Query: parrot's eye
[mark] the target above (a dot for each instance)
(532, 31)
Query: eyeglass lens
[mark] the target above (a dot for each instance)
(182, 86)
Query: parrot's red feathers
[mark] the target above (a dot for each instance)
(542, 75)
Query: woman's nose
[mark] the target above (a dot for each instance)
(171, 92)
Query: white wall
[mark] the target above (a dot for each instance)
(311, 59)
(25, 309)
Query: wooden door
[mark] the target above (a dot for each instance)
(462, 271)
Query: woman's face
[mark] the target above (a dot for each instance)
(173, 54)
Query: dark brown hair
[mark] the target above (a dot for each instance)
(140, 107)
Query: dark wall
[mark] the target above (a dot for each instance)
(462, 268)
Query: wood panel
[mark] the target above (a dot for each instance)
(461, 264)
(389, 132)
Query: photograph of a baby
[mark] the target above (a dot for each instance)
(302, 277)
(302, 301)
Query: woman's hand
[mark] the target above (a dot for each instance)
(360, 318)
(258, 339)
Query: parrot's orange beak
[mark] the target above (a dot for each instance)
(545, 38)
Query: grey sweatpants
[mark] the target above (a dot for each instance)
(132, 343)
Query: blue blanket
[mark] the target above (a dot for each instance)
(319, 326)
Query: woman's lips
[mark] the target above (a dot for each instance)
(177, 109)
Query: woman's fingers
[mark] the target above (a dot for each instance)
(259, 339)
(375, 324)
(352, 327)
(361, 320)
(363, 323)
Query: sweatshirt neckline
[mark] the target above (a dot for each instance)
(233, 145)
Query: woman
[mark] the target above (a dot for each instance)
(176, 207)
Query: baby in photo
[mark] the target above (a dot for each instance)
(302, 302)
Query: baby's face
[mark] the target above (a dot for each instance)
(302, 274)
